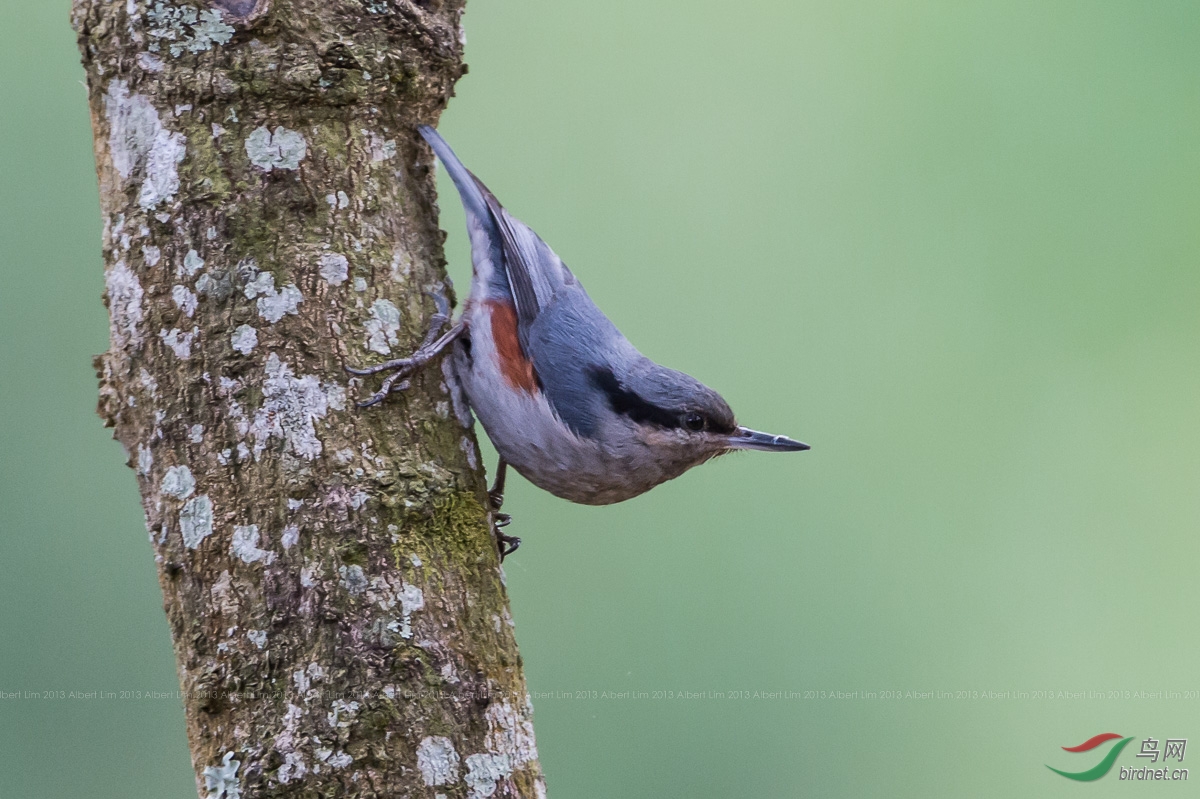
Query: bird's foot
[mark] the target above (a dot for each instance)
(401, 368)
(507, 544)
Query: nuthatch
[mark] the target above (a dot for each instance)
(564, 397)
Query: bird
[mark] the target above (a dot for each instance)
(565, 398)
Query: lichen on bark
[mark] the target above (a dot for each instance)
(339, 616)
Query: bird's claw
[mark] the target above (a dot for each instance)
(387, 388)
(398, 365)
(403, 367)
(508, 544)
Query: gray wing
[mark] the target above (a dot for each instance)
(569, 341)
(535, 272)
(561, 330)
(590, 372)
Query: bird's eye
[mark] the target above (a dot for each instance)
(693, 421)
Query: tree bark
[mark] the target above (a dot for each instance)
(338, 612)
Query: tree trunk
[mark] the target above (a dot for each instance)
(339, 615)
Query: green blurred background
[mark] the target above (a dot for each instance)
(952, 245)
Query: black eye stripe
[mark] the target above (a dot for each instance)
(628, 403)
(634, 407)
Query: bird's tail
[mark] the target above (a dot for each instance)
(468, 187)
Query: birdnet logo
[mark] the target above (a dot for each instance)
(1172, 748)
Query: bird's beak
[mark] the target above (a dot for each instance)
(745, 438)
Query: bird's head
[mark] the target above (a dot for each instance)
(681, 420)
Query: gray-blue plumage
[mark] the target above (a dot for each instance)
(565, 397)
(563, 341)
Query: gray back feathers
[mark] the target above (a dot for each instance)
(589, 372)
